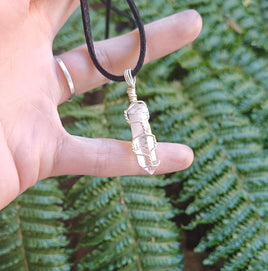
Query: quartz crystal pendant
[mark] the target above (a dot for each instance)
(143, 141)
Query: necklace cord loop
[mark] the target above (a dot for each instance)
(90, 44)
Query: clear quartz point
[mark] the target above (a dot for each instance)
(143, 141)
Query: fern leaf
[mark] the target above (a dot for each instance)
(129, 228)
(32, 236)
(249, 17)
(217, 189)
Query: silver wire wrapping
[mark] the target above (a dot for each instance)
(143, 141)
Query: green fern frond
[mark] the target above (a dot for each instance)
(217, 189)
(250, 98)
(246, 19)
(263, 6)
(222, 48)
(255, 66)
(127, 223)
(32, 235)
(237, 137)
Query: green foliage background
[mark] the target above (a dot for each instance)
(211, 95)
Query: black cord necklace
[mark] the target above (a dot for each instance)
(137, 115)
(90, 44)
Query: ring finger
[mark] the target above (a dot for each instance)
(116, 54)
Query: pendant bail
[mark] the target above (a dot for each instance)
(129, 79)
(131, 91)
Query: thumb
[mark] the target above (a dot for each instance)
(110, 157)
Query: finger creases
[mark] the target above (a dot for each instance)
(117, 54)
(109, 157)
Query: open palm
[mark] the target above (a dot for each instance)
(33, 143)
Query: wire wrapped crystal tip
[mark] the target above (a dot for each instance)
(143, 141)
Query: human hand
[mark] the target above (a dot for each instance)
(33, 142)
